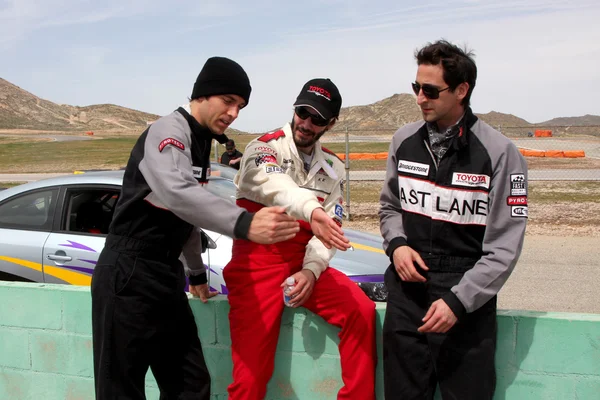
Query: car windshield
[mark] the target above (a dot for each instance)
(223, 188)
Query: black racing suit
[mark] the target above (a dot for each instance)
(140, 312)
(465, 215)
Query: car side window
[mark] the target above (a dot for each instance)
(30, 211)
(89, 210)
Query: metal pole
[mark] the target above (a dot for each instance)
(347, 175)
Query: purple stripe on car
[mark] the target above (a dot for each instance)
(88, 261)
(367, 278)
(224, 289)
(80, 269)
(76, 245)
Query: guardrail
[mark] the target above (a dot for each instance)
(46, 350)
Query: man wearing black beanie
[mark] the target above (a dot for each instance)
(140, 313)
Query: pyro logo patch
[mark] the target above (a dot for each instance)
(516, 200)
(172, 142)
(518, 186)
(413, 167)
(470, 180)
(264, 159)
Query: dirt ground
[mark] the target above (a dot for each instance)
(558, 267)
(563, 209)
(561, 219)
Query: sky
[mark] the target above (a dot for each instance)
(536, 59)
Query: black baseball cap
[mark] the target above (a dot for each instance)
(321, 95)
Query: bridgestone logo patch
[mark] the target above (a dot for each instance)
(470, 180)
(413, 168)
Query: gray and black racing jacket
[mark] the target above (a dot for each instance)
(163, 198)
(471, 204)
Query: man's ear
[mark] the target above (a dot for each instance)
(462, 90)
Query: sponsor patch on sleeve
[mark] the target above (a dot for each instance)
(518, 211)
(170, 142)
(265, 158)
(518, 186)
(339, 211)
(273, 169)
(197, 172)
(264, 149)
(516, 200)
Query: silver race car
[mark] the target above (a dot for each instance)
(53, 231)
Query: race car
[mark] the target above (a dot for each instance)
(53, 231)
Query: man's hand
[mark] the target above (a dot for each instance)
(305, 282)
(272, 225)
(404, 262)
(327, 231)
(235, 161)
(202, 291)
(439, 318)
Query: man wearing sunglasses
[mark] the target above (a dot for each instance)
(453, 215)
(290, 168)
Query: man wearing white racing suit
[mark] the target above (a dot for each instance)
(290, 168)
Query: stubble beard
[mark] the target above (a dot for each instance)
(302, 144)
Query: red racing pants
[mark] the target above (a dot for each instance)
(254, 277)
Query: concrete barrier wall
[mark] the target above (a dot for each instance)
(46, 350)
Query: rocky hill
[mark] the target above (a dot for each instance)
(20, 109)
(585, 120)
(399, 109)
(389, 113)
(497, 119)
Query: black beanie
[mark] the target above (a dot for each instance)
(221, 75)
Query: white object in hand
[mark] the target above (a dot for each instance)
(290, 283)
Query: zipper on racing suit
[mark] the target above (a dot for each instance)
(435, 163)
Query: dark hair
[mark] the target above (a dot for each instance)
(458, 64)
(230, 143)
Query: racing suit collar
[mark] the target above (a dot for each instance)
(197, 129)
(318, 155)
(466, 124)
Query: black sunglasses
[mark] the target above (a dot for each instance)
(430, 91)
(303, 113)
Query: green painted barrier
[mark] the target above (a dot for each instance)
(46, 350)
